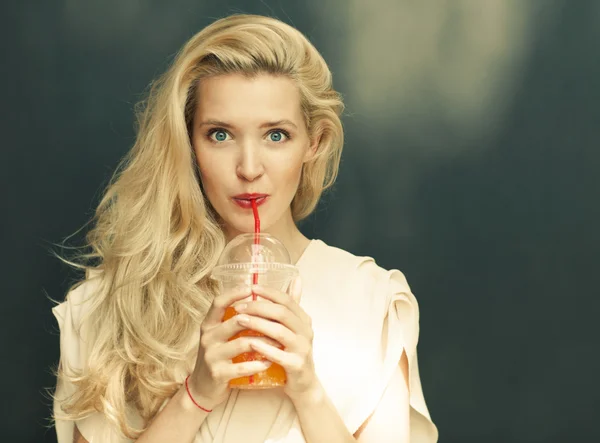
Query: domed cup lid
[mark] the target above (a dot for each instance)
(244, 255)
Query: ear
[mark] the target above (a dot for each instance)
(313, 148)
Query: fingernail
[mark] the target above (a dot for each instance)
(242, 319)
(241, 307)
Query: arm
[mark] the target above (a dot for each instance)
(319, 419)
(317, 415)
(179, 421)
(389, 423)
(292, 327)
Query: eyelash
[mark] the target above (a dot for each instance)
(213, 130)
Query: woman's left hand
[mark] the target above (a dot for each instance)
(286, 322)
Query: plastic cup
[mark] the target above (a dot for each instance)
(243, 257)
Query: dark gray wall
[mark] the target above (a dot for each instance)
(471, 164)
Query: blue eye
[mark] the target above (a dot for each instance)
(277, 134)
(221, 135)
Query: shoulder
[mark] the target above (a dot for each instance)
(361, 275)
(78, 304)
(338, 262)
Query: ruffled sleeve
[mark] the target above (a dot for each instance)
(73, 351)
(396, 315)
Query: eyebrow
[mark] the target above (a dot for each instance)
(264, 125)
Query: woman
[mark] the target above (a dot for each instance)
(246, 108)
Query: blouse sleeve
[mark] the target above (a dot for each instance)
(397, 317)
(73, 349)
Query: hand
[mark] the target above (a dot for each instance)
(287, 323)
(209, 383)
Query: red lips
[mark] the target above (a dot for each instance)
(249, 196)
(245, 200)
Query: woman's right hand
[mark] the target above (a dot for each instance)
(209, 382)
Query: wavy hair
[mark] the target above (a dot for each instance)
(155, 236)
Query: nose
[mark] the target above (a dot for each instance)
(249, 166)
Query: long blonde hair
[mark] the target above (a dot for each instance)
(155, 237)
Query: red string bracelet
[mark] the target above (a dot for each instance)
(187, 388)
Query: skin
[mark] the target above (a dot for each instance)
(248, 158)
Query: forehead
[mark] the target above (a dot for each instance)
(235, 97)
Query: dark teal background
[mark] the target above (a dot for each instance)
(490, 207)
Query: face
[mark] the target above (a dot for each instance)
(249, 137)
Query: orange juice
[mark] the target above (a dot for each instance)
(274, 375)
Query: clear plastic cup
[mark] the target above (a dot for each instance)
(266, 257)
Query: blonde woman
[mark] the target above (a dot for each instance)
(247, 107)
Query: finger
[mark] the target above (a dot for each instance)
(228, 371)
(288, 360)
(276, 331)
(215, 314)
(274, 312)
(281, 298)
(223, 332)
(240, 345)
(248, 368)
(296, 289)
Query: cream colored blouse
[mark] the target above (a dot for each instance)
(363, 317)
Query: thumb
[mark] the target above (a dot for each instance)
(296, 289)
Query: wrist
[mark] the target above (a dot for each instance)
(311, 397)
(195, 401)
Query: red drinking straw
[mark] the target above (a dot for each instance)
(255, 274)
(256, 240)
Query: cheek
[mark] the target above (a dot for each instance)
(292, 171)
(208, 172)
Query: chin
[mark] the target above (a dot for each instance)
(238, 226)
(242, 223)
